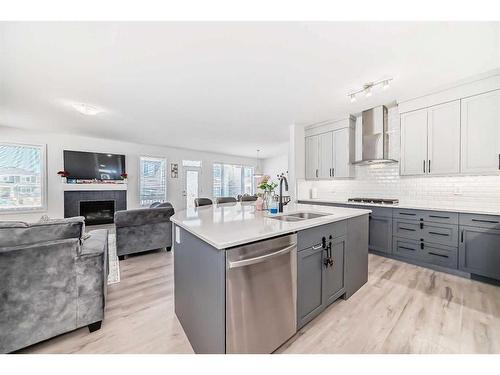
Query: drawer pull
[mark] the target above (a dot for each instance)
(440, 234)
(486, 221)
(439, 217)
(407, 213)
(406, 248)
(408, 229)
(462, 236)
(438, 255)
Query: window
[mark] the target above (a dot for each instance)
(191, 163)
(22, 176)
(232, 180)
(152, 180)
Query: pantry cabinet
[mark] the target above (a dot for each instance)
(481, 133)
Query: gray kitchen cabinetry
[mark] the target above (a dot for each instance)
(380, 234)
(319, 283)
(479, 250)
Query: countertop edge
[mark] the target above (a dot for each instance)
(308, 224)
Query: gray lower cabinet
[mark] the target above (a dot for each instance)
(479, 251)
(319, 285)
(309, 284)
(380, 234)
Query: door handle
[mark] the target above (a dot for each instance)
(316, 173)
(262, 258)
(424, 166)
(429, 167)
(333, 171)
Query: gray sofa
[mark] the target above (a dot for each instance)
(52, 280)
(143, 229)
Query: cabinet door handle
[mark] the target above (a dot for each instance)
(498, 161)
(316, 173)
(421, 225)
(438, 255)
(462, 236)
(333, 172)
(485, 221)
(439, 217)
(424, 166)
(429, 167)
(421, 245)
(439, 234)
(406, 248)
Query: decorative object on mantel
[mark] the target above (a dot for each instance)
(174, 170)
(124, 176)
(64, 175)
(267, 186)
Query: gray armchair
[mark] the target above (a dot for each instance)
(143, 229)
(52, 280)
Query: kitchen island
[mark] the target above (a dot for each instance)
(246, 280)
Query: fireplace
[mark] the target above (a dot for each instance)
(97, 212)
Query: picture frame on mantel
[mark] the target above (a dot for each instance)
(174, 170)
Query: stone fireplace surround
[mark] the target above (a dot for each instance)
(72, 199)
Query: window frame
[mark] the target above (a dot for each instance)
(43, 180)
(242, 178)
(140, 176)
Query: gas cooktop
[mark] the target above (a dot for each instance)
(374, 200)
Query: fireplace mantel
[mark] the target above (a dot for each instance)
(93, 187)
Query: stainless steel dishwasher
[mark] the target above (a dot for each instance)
(261, 295)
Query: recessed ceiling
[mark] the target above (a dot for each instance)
(223, 87)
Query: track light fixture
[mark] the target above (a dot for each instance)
(368, 88)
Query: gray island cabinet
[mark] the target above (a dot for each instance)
(232, 295)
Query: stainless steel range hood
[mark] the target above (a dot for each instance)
(375, 140)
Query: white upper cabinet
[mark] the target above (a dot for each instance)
(443, 139)
(481, 133)
(342, 141)
(312, 157)
(330, 150)
(414, 143)
(326, 157)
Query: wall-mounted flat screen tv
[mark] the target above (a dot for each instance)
(92, 165)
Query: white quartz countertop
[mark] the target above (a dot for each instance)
(493, 209)
(232, 224)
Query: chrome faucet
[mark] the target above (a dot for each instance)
(282, 178)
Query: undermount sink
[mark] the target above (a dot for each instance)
(298, 216)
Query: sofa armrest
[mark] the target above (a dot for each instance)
(96, 243)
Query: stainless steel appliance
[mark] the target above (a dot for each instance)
(375, 138)
(261, 295)
(374, 200)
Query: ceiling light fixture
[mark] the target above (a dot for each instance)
(86, 109)
(257, 171)
(368, 88)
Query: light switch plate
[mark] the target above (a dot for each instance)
(177, 235)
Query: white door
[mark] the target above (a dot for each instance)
(312, 157)
(325, 155)
(414, 143)
(444, 139)
(191, 185)
(481, 133)
(341, 153)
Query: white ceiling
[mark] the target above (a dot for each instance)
(223, 87)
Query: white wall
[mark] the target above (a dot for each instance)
(384, 181)
(275, 165)
(56, 143)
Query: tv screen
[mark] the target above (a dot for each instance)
(92, 165)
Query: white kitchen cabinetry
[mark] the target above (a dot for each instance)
(329, 150)
(430, 140)
(481, 133)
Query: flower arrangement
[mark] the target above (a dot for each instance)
(63, 174)
(124, 176)
(265, 183)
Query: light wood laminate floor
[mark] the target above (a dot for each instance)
(402, 309)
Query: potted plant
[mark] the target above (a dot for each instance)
(64, 175)
(267, 186)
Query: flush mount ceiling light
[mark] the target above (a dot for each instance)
(87, 109)
(368, 88)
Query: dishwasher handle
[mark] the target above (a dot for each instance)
(262, 258)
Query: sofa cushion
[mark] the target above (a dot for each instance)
(15, 233)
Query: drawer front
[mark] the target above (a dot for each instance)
(480, 221)
(407, 229)
(445, 234)
(445, 256)
(312, 236)
(406, 214)
(441, 217)
(407, 248)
